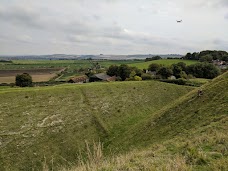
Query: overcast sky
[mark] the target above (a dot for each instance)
(112, 26)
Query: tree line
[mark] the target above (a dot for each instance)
(158, 71)
(207, 56)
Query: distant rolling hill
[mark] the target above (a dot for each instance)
(81, 57)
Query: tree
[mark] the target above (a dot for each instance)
(203, 70)
(124, 71)
(225, 58)
(165, 72)
(154, 67)
(188, 56)
(176, 70)
(195, 56)
(182, 65)
(138, 71)
(23, 80)
(206, 58)
(153, 58)
(113, 70)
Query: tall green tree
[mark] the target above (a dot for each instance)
(176, 70)
(113, 70)
(124, 71)
(154, 67)
(165, 72)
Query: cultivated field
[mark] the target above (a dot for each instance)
(71, 67)
(38, 75)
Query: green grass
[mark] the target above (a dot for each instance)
(53, 123)
(166, 62)
(189, 134)
(72, 64)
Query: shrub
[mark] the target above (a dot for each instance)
(23, 80)
(146, 76)
(137, 78)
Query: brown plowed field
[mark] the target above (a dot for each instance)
(38, 75)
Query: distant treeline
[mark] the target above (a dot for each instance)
(7, 61)
(207, 56)
(153, 58)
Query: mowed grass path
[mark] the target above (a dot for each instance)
(55, 121)
(166, 62)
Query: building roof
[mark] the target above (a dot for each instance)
(78, 79)
(101, 76)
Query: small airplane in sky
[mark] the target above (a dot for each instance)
(179, 21)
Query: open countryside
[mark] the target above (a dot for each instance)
(38, 75)
(64, 122)
(45, 70)
(111, 85)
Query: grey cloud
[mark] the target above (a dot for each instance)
(223, 3)
(226, 16)
(220, 42)
(21, 16)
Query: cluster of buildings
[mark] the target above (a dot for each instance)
(93, 78)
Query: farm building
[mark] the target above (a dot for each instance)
(79, 79)
(101, 77)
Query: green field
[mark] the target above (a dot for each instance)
(72, 64)
(55, 121)
(166, 62)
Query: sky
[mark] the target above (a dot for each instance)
(35, 27)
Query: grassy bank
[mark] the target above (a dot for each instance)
(52, 123)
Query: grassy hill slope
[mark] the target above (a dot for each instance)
(190, 134)
(52, 123)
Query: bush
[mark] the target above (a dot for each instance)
(183, 75)
(23, 80)
(137, 78)
(146, 76)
